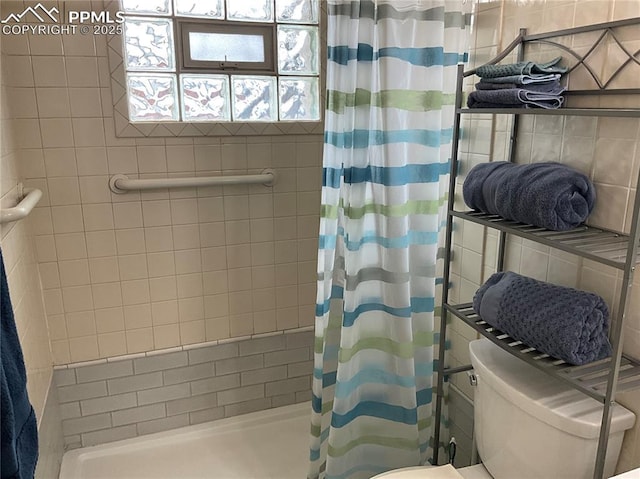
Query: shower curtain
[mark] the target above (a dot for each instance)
(391, 78)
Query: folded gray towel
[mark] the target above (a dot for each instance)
(550, 195)
(552, 87)
(562, 322)
(520, 68)
(515, 96)
(524, 79)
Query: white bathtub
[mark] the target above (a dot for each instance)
(266, 444)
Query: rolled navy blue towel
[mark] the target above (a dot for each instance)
(18, 426)
(549, 195)
(562, 322)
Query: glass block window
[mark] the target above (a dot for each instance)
(222, 60)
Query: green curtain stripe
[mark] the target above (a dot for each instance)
(424, 207)
(394, 442)
(402, 350)
(329, 211)
(409, 100)
(424, 423)
(420, 339)
(423, 338)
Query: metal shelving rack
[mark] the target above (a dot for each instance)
(603, 379)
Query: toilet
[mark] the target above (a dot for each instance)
(529, 425)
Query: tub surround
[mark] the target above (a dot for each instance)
(141, 394)
(179, 453)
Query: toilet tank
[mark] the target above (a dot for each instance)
(529, 425)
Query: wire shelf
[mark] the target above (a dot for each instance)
(590, 378)
(625, 113)
(604, 246)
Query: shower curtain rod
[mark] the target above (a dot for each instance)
(122, 183)
(30, 197)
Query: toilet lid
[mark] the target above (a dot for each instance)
(441, 472)
(422, 472)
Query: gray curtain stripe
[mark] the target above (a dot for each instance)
(367, 10)
(382, 275)
(375, 274)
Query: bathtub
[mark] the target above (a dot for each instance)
(266, 444)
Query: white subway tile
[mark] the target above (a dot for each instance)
(82, 71)
(74, 272)
(104, 269)
(80, 324)
(101, 243)
(84, 348)
(109, 320)
(49, 71)
(135, 292)
(88, 132)
(63, 191)
(56, 132)
(137, 316)
(130, 241)
(139, 340)
(70, 246)
(97, 216)
(164, 312)
(67, 219)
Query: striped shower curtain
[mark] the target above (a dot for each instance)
(391, 78)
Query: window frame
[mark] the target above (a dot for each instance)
(184, 26)
(116, 112)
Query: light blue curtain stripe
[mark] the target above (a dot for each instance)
(411, 238)
(424, 57)
(388, 176)
(418, 305)
(368, 138)
(375, 409)
(376, 375)
(385, 174)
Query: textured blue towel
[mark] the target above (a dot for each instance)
(18, 427)
(521, 68)
(552, 87)
(514, 97)
(550, 195)
(562, 322)
(524, 79)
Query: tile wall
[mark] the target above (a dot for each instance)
(155, 392)
(17, 243)
(131, 273)
(605, 148)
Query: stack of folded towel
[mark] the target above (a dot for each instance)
(519, 85)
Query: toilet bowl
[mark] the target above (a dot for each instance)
(530, 425)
